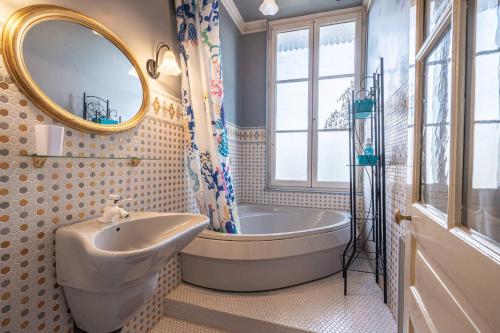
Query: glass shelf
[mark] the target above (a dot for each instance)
(363, 165)
(365, 118)
(39, 160)
(364, 115)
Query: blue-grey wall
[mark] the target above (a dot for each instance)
(253, 67)
(244, 73)
(388, 37)
(230, 39)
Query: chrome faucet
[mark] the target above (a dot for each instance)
(112, 210)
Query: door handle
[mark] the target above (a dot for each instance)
(400, 217)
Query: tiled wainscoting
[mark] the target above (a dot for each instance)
(248, 156)
(34, 202)
(396, 131)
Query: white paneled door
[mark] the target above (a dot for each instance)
(452, 257)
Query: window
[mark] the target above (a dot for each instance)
(436, 125)
(313, 61)
(436, 102)
(482, 181)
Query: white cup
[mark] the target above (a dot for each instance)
(49, 140)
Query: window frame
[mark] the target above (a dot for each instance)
(313, 22)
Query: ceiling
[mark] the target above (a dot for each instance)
(249, 9)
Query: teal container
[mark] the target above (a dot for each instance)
(107, 121)
(367, 159)
(363, 108)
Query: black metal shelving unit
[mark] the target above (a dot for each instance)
(368, 224)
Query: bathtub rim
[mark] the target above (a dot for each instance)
(342, 223)
(215, 249)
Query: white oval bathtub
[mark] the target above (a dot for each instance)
(278, 247)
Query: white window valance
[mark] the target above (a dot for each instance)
(338, 34)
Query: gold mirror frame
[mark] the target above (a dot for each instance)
(13, 35)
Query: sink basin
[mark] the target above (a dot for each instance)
(108, 271)
(144, 235)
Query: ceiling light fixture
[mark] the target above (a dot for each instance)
(269, 7)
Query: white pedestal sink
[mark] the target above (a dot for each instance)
(108, 271)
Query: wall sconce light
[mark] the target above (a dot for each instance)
(167, 65)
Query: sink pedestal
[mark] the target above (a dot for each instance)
(104, 312)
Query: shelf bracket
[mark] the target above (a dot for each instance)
(134, 161)
(38, 161)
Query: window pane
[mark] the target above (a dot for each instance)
(336, 49)
(482, 197)
(487, 85)
(291, 156)
(292, 55)
(330, 111)
(333, 156)
(486, 155)
(292, 106)
(434, 9)
(436, 126)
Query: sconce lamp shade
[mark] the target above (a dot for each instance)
(269, 7)
(169, 65)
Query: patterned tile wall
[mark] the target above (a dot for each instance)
(396, 127)
(249, 151)
(34, 202)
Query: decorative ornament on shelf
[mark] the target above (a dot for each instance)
(269, 7)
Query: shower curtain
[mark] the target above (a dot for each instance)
(205, 127)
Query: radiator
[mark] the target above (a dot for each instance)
(401, 291)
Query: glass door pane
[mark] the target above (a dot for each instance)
(482, 196)
(337, 49)
(333, 156)
(435, 161)
(292, 55)
(330, 110)
(291, 156)
(292, 113)
(336, 70)
(434, 9)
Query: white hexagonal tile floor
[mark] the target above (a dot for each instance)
(172, 325)
(318, 306)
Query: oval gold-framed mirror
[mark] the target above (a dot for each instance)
(74, 69)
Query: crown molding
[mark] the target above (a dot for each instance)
(255, 26)
(244, 27)
(234, 13)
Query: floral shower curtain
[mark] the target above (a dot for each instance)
(202, 95)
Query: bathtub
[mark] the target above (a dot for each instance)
(278, 247)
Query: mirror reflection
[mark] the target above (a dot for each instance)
(82, 72)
